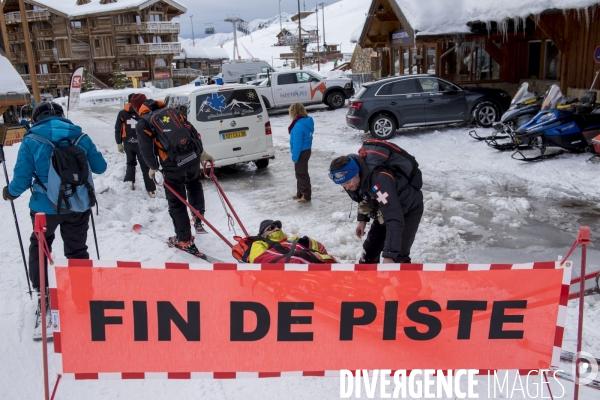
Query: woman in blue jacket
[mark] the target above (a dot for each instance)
(31, 171)
(301, 134)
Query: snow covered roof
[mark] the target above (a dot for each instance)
(430, 17)
(211, 53)
(71, 9)
(10, 80)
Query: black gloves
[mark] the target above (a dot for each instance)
(6, 194)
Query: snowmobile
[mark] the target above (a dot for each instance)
(560, 123)
(523, 107)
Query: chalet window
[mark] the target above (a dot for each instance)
(551, 61)
(43, 68)
(78, 23)
(156, 39)
(142, 64)
(138, 19)
(94, 23)
(104, 67)
(155, 17)
(97, 44)
(160, 62)
(534, 59)
(141, 40)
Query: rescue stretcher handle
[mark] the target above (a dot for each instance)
(220, 189)
(196, 212)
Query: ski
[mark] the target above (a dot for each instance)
(569, 356)
(140, 229)
(37, 329)
(569, 377)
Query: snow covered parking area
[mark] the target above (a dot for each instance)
(480, 207)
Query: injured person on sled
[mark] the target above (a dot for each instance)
(272, 245)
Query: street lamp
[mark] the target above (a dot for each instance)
(192, 21)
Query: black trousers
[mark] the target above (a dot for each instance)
(375, 241)
(73, 230)
(186, 182)
(133, 153)
(303, 187)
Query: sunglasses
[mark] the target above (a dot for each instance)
(270, 228)
(339, 175)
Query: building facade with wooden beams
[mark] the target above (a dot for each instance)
(486, 42)
(95, 34)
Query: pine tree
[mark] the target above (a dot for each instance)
(119, 80)
(87, 84)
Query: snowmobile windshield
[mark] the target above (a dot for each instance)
(523, 94)
(552, 99)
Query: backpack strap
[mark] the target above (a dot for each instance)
(76, 141)
(43, 140)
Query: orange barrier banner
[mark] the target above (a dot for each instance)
(129, 319)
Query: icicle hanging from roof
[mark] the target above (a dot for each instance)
(82, 2)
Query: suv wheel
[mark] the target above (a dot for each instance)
(262, 163)
(335, 100)
(383, 127)
(485, 114)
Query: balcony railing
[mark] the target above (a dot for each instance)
(149, 49)
(43, 34)
(186, 73)
(19, 57)
(47, 79)
(148, 27)
(45, 55)
(15, 36)
(79, 30)
(32, 15)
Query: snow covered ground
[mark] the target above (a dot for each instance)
(481, 207)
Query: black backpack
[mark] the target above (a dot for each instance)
(175, 135)
(379, 153)
(70, 187)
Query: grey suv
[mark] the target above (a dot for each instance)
(414, 100)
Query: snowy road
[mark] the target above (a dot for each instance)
(481, 207)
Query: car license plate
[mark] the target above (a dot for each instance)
(233, 135)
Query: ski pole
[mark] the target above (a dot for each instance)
(95, 238)
(196, 212)
(12, 204)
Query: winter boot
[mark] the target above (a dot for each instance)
(188, 247)
(296, 197)
(132, 186)
(198, 225)
(37, 329)
(152, 193)
(303, 199)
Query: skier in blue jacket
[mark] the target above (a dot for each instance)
(301, 135)
(32, 164)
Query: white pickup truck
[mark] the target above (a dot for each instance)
(306, 87)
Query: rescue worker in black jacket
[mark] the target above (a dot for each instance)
(388, 198)
(183, 178)
(127, 142)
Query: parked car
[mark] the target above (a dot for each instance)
(306, 87)
(383, 106)
(232, 120)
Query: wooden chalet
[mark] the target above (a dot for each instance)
(67, 34)
(545, 47)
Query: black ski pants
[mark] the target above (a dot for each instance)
(186, 182)
(132, 152)
(375, 241)
(73, 230)
(303, 187)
